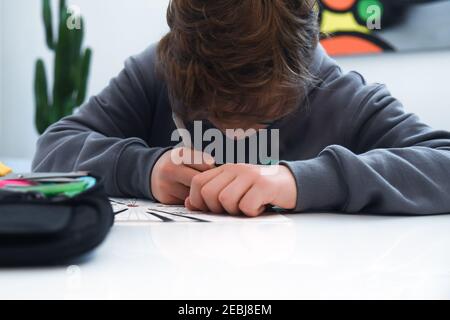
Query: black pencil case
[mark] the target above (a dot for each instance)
(36, 231)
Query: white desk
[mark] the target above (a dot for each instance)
(315, 256)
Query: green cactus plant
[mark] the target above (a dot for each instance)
(71, 70)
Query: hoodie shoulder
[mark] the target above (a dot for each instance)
(144, 66)
(148, 56)
(322, 63)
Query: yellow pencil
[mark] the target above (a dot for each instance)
(4, 170)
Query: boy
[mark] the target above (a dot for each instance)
(345, 145)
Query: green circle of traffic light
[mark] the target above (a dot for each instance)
(364, 12)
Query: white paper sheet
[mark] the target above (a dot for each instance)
(133, 211)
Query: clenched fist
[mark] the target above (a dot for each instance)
(242, 188)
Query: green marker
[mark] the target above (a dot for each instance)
(51, 190)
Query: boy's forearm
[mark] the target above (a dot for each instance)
(385, 181)
(124, 164)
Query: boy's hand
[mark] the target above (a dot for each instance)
(242, 188)
(172, 174)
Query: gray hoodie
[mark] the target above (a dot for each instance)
(352, 148)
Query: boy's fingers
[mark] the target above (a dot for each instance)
(184, 175)
(189, 206)
(210, 191)
(231, 195)
(201, 167)
(253, 203)
(197, 160)
(195, 196)
(179, 191)
(171, 200)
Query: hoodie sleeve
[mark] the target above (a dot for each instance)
(107, 135)
(391, 162)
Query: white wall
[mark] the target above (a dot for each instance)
(117, 29)
(420, 80)
(1, 71)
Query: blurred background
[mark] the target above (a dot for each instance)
(116, 29)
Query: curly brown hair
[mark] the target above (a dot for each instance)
(238, 61)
